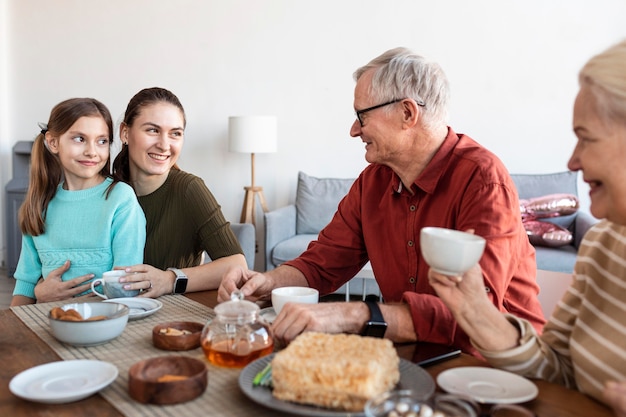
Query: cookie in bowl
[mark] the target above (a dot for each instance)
(177, 335)
(167, 380)
(88, 324)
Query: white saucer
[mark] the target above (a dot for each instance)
(268, 314)
(63, 382)
(139, 307)
(487, 385)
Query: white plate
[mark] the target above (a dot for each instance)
(487, 385)
(139, 307)
(411, 377)
(268, 314)
(63, 382)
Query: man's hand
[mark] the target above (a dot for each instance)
(53, 288)
(337, 317)
(254, 285)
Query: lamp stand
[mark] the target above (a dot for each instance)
(247, 212)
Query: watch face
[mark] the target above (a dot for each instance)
(181, 286)
(375, 329)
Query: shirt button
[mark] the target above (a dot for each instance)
(412, 280)
(412, 207)
(487, 289)
(410, 243)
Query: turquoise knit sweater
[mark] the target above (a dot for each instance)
(92, 232)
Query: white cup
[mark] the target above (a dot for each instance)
(302, 295)
(111, 285)
(450, 252)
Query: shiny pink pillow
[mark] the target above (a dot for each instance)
(547, 234)
(547, 206)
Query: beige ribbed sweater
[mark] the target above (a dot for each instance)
(583, 345)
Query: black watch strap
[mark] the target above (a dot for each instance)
(376, 326)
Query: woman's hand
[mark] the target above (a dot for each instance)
(467, 299)
(152, 282)
(459, 292)
(53, 288)
(615, 396)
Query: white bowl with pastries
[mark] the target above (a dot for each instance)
(88, 324)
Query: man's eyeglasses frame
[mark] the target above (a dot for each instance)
(358, 113)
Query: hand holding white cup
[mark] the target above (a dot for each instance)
(111, 285)
(450, 252)
(302, 295)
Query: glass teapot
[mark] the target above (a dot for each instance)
(237, 335)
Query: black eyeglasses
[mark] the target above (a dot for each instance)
(360, 112)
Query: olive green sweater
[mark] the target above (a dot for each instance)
(183, 219)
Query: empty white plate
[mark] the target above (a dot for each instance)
(63, 382)
(139, 307)
(487, 385)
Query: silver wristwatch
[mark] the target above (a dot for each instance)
(180, 283)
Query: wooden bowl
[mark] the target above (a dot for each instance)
(167, 341)
(167, 380)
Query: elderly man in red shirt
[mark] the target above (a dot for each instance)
(421, 173)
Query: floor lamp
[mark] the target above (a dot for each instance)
(252, 134)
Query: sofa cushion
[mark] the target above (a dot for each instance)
(556, 259)
(536, 185)
(317, 200)
(542, 233)
(291, 248)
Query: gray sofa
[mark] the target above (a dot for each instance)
(563, 258)
(290, 229)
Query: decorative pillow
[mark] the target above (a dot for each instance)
(317, 200)
(551, 205)
(547, 234)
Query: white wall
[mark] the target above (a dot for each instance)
(512, 66)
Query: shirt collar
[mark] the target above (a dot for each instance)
(428, 179)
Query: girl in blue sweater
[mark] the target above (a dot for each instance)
(76, 221)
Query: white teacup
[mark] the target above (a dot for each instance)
(450, 252)
(302, 295)
(111, 286)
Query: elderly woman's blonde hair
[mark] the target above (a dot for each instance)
(605, 75)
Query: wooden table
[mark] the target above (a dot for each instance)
(22, 349)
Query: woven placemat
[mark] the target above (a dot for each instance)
(223, 397)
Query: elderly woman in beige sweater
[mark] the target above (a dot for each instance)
(583, 345)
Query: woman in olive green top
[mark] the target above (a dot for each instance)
(183, 219)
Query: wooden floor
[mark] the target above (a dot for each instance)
(6, 289)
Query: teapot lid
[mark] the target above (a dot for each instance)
(237, 306)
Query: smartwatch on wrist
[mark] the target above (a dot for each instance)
(376, 326)
(180, 282)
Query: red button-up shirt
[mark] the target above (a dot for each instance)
(463, 187)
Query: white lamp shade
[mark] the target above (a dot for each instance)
(252, 134)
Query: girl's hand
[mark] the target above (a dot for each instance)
(53, 288)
